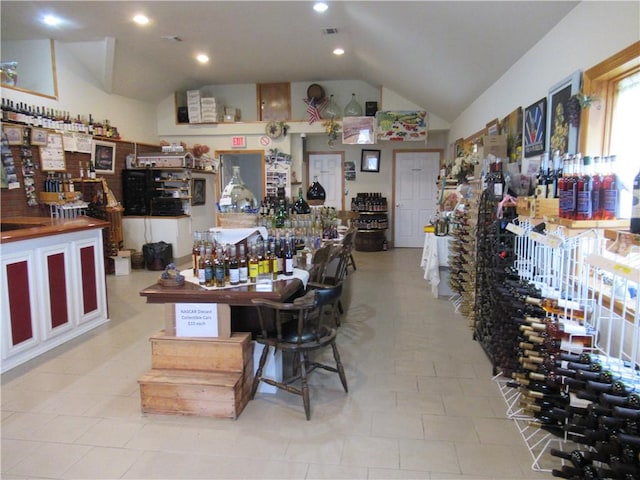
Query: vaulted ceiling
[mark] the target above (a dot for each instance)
(438, 55)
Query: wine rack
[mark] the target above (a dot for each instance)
(462, 258)
(574, 393)
(372, 221)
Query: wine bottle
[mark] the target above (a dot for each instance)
(635, 206)
(243, 268)
(234, 266)
(584, 191)
(610, 187)
(558, 307)
(288, 257)
(218, 265)
(254, 267)
(209, 277)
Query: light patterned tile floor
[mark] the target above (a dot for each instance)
(421, 401)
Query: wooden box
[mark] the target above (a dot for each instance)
(526, 206)
(188, 392)
(547, 207)
(234, 354)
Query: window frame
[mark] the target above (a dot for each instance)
(599, 82)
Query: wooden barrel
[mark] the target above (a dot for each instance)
(369, 240)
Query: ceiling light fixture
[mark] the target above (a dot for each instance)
(141, 19)
(202, 58)
(51, 20)
(320, 7)
(338, 51)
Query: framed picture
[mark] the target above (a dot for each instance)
(512, 127)
(198, 191)
(52, 154)
(103, 156)
(562, 135)
(535, 121)
(370, 161)
(358, 130)
(14, 134)
(493, 127)
(39, 136)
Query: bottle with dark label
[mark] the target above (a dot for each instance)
(635, 206)
(596, 178)
(610, 188)
(201, 266)
(208, 268)
(218, 265)
(584, 191)
(195, 252)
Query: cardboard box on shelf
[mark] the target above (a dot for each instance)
(495, 145)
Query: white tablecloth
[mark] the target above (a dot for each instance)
(435, 254)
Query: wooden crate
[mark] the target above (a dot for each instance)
(547, 207)
(188, 392)
(233, 354)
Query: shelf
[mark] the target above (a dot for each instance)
(371, 230)
(371, 212)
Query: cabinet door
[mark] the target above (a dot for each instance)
(19, 306)
(89, 279)
(56, 299)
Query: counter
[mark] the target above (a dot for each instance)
(53, 284)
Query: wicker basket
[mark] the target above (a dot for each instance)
(237, 220)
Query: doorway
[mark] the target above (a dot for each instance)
(415, 193)
(328, 167)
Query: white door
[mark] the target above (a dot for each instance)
(328, 168)
(416, 192)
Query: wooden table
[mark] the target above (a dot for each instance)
(208, 376)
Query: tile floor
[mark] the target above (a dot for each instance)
(421, 403)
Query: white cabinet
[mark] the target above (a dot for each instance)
(53, 289)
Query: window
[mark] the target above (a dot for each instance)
(609, 126)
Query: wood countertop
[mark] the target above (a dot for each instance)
(14, 229)
(238, 296)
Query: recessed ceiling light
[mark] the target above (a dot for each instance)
(141, 19)
(51, 20)
(202, 58)
(338, 51)
(320, 7)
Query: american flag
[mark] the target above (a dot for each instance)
(313, 109)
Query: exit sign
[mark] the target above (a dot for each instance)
(239, 142)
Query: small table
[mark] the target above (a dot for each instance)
(208, 376)
(435, 254)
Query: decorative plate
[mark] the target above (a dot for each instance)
(273, 129)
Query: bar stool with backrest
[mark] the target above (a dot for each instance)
(299, 329)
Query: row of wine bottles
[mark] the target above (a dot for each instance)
(45, 117)
(227, 265)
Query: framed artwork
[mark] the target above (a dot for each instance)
(535, 122)
(562, 135)
(13, 133)
(493, 127)
(358, 130)
(402, 126)
(198, 191)
(103, 156)
(39, 136)
(370, 161)
(512, 127)
(52, 155)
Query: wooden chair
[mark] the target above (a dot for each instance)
(299, 329)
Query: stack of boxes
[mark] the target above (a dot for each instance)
(203, 109)
(211, 111)
(193, 106)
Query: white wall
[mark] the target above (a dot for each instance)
(79, 92)
(591, 32)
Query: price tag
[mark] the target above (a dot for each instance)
(548, 240)
(196, 319)
(225, 201)
(515, 229)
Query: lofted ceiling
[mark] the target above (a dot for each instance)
(438, 55)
